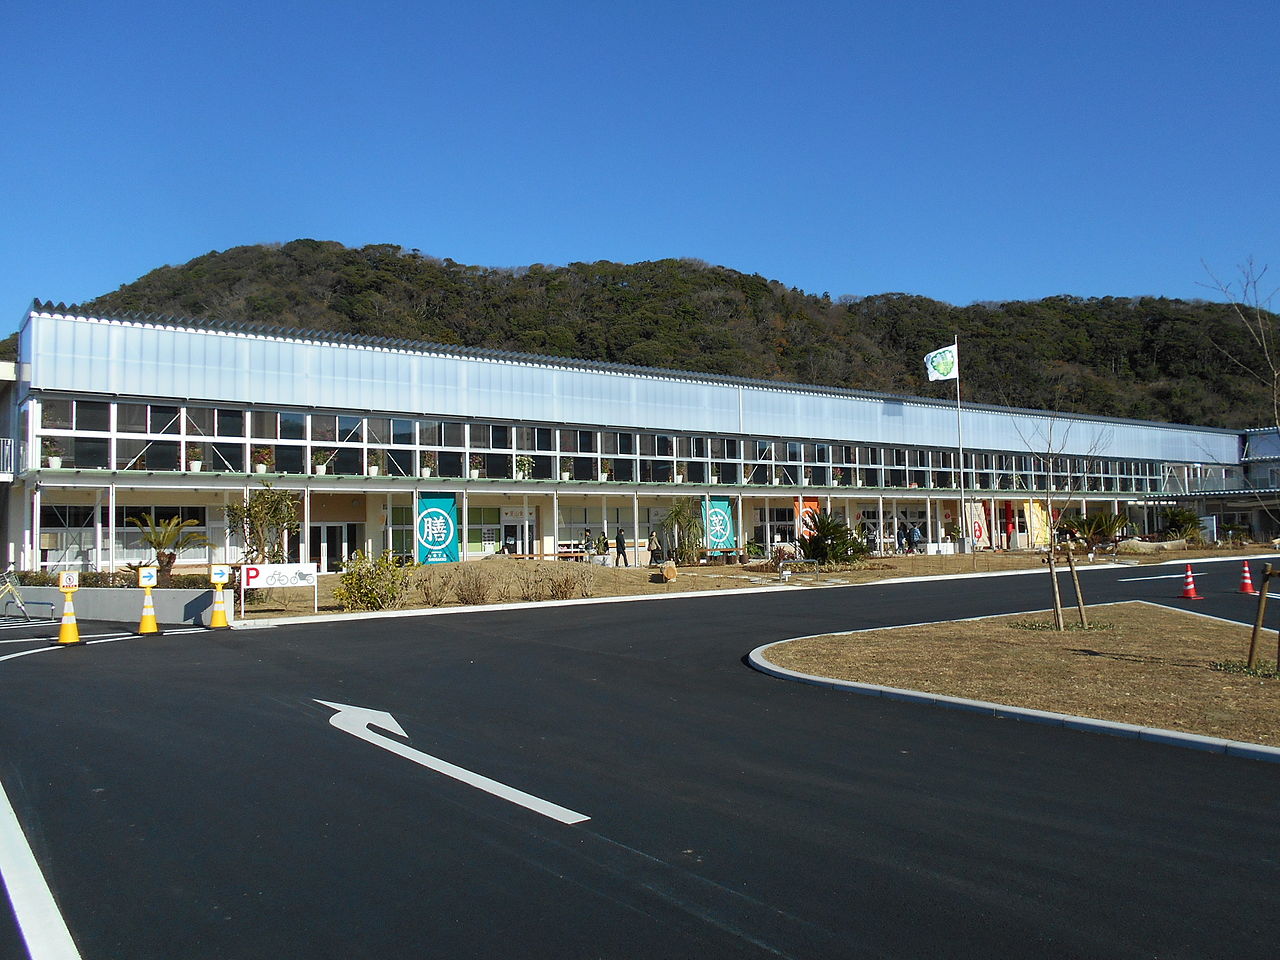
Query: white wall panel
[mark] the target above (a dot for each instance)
(75, 354)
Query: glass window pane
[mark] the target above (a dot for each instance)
(500, 437)
(324, 427)
(56, 414)
(452, 434)
(131, 417)
(264, 424)
(292, 426)
(378, 430)
(479, 435)
(165, 419)
(227, 457)
(93, 415)
(402, 431)
(350, 429)
(199, 421)
(230, 423)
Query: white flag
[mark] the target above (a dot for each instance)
(943, 364)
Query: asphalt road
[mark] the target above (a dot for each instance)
(187, 796)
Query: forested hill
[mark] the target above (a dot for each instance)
(1149, 358)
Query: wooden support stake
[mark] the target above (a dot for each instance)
(1262, 609)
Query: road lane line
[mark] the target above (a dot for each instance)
(1167, 576)
(43, 929)
(357, 721)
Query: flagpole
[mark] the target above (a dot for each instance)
(965, 522)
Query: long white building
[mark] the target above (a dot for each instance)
(431, 451)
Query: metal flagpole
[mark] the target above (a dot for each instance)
(966, 527)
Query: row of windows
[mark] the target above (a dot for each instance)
(235, 440)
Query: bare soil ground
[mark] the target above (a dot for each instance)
(1147, 665)
(608, 581)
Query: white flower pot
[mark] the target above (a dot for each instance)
(373, 470)
(565, 475)
(604, 477)
(320, 469)
(259, 468)
(475, 474)
(195, 465)
(715, 479)
(679, 478)
(55, 463)
(425, 471)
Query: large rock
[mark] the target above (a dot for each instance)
(1144, 546)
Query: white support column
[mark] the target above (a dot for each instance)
(635, 529)
(35, 527)
(928, 522)
(741, 539)
(386, 526)
(879, 523)
(768, 526)
(97, 529)
(111, 528)
(525, 545)
(304, 551)
(464, 529)
(555, 522)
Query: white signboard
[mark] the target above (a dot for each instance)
(148, 576)
(69, 580)
(263, 576)
(219, 573)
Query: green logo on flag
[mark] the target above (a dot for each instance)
(943, 362)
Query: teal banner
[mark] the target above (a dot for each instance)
(717, 521)
(437, 530)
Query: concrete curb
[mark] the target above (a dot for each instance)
(1191, 741)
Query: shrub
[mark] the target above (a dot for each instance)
(436, 583)
(472, 584)
(531, 583)
(37, 578)
(373, 584)
(831, 541)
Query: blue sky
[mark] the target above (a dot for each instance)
(963, 151)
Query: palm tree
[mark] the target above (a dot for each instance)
(682, 527)
(168, 538)
(830, 540)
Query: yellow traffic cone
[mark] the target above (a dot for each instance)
(148, 623)
(218, 620)
(68, 633)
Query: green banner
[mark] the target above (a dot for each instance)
(437, 530)
(717, 521)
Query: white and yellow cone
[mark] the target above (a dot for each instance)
(68, 633)
(218, 619)
(148, 622)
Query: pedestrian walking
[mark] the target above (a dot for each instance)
(655, 550)
(620, 541)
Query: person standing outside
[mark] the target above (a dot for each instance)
(620, 542)
(655, 549)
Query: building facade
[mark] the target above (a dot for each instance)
(112, 417)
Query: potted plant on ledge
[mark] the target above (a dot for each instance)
(682, 471)
(566, 468)
(263, 458)
(374, 461)
(477, 464)
(430, 459)
(524, 468)
(52, 451)
(320, 461)
(714, 474)
(837, 476)
(195, 457)
(606, 468)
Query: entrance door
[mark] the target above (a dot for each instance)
(515, 524)
(332, 543)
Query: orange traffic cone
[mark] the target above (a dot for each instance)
(1246, 581)
(1189, 587)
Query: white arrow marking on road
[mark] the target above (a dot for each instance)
(357, 721)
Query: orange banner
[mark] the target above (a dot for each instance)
(806, 510)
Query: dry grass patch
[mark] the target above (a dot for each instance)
(1150, 666)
